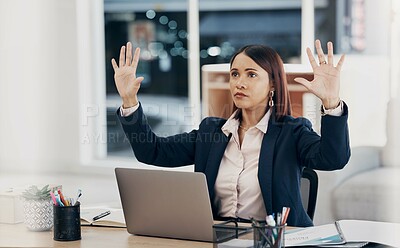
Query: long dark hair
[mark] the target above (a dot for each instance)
(268, 59)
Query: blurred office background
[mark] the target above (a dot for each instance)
(57, 94)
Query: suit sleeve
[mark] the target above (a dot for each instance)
(331, 150)
(172, 151)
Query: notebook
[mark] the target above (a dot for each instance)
(172, 204)
(346, 233)
(115, 218)
(328, 234)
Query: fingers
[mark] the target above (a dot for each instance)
(340, 63)
(122, 56)
(304, 82)
(320, 52)
(139, 80)
(321, 55)
(114, 64)
(330, 53)
(135, 61)
(125, 57)
(128, 54)
(311, 58)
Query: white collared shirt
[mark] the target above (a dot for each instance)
(237, 190)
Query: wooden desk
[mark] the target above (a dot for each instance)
(16, 235)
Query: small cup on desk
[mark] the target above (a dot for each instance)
(67, 223)
(268, 236)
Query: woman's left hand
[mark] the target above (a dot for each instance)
(326, 83)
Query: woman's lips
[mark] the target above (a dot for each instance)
(239, 94)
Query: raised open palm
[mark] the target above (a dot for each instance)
(125, 75)
(326, 83)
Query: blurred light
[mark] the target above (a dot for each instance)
(156, 46)
(172, 32)
(227, 49)
(145, 55)
(150, 14)
(172, 24)
(214, 51)
(173, 52)
(185, 54)
(163, 20)
(203, 54)
(182, 34)
(165, 62)
(163, 54)
(178, 44)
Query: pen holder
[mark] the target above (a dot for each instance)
(67, 223)
(228, 230)
(268, 236)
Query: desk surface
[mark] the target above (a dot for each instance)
(17, 235)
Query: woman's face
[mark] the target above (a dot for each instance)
(249, 83)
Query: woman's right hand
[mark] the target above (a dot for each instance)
(125, 75)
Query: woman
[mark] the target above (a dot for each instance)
(252, 161)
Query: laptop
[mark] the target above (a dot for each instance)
(171, 204)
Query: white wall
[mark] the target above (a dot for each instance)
(377, 27)
(38, 85)
(365, 82)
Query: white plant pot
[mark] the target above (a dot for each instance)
(38, 215)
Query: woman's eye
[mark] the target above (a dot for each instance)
(252, 75)
(234, 74)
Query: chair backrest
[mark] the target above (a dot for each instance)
(309, 190)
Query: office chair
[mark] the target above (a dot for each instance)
(309, 190)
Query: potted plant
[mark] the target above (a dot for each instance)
(38, 208)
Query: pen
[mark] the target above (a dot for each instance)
(62, 198)
(279, 219)
(77, 198)
(271, 222)
(286, 215)
(60, 203)
(102, 215)
(53, 197)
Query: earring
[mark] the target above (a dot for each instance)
(271, 101)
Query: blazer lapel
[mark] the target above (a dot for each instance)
(217, 150)
(265, 164)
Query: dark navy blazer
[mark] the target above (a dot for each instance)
(287, 147)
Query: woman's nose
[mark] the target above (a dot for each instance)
(240, 84)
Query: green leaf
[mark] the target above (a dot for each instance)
(33, 193)
(46, 187)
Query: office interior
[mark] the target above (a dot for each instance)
(58, 99)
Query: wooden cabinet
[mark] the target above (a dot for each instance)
(217, 100)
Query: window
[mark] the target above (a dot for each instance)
(160, 29)
(162, 37)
